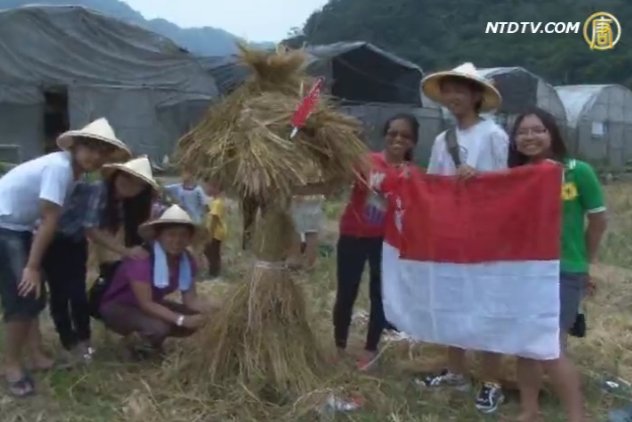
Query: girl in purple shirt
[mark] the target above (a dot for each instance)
(135, 300)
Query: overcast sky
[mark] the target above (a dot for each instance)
(254, 20)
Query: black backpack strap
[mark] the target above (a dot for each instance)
(453, 146)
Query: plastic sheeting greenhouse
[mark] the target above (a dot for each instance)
(521, 90)
(600, 123)
(63, 66)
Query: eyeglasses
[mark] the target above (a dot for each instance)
(534, 130)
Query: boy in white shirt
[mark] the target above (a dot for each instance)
(475, 145)
(33, 194)
(190, 196)
(482, 144)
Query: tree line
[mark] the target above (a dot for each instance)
(442, 34)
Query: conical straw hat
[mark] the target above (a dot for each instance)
(431, 86)
(172, 215)
(138, 167)
(99, 130)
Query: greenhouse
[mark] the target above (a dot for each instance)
(600, 123)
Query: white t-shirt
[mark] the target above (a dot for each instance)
(483, 147)
(49, 178)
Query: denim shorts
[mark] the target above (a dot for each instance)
(572, 288)
(14, 251)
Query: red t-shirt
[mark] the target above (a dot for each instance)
(358, 219)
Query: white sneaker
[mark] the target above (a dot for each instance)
(445, 379)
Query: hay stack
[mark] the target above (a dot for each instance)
(261, 338)
(244, 144)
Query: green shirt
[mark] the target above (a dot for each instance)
(581, 195)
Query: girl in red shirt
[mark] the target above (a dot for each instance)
(362, 230)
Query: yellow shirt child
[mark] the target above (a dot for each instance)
(218, 210)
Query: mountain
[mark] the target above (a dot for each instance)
(442, 34)
(206, 41)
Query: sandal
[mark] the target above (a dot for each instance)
(24, 387)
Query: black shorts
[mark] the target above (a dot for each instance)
(572, 288)
(14, 251)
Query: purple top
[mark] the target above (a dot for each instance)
(140, 270)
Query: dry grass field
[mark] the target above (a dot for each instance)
(113, 390)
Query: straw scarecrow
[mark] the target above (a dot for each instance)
(249, 143)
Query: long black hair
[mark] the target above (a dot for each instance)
(130, 212)
(558, 148)
(414, 125)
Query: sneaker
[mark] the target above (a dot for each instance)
(489, 397)
(445, 379)
(87, 356)
(85, 352)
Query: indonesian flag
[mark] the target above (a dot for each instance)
(475, 264)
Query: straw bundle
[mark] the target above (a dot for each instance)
(260, 337)
(244, 140)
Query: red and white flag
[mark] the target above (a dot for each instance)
(306, 107)
(476, 265)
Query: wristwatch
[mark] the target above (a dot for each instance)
(180, 320)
